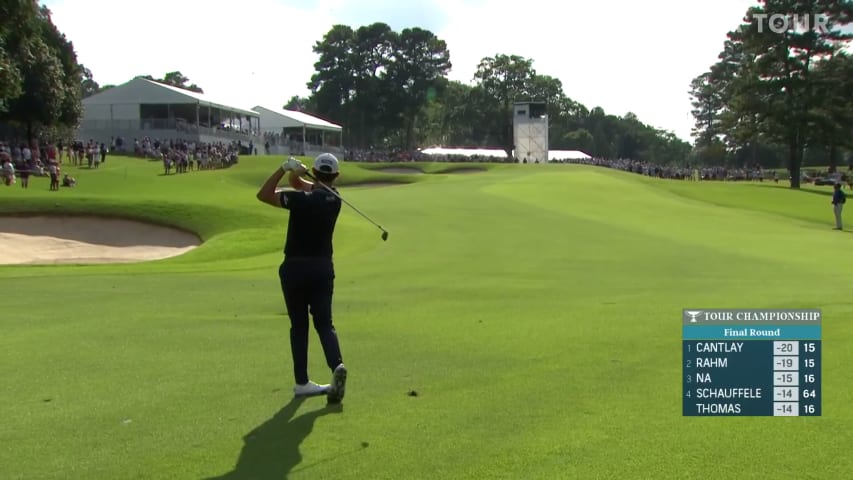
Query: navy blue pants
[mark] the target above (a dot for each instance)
(307, 285)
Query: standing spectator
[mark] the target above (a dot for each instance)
(91, 150)
(26, 153)
(8, 170)
(24, 173)
(54, 176)
(838, 200)
(52, 154)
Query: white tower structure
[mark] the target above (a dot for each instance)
(530, 132)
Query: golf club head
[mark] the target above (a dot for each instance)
(384, 236)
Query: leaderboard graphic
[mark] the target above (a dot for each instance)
(751, 362)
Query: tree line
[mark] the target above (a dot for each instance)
(40, 78)
(390, 90)
(782, 90)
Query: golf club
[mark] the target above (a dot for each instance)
(384, 232)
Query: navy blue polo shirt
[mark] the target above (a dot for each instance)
(312, 222)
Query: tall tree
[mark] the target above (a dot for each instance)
(173, 79)
(177, 79)
(579, 139)
(706, 91)
(72, 73)
(370, 109)
(768, 90)
(18, 31)
(41, 102)
(10, 76)
(781, 93)
(88, 86)
(450, 115)
(49, 94)
(419, 60)
(374, 80)
(297, 103)
(833, 114)
(740, 121)
(506, 79)
(333, 83)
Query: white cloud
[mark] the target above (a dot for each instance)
(623, 56)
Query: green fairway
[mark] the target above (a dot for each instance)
(534, 311)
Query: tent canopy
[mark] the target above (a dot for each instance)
(553, 155)
(143, 91)
(467, 152)
(566, 155)
(278, 118)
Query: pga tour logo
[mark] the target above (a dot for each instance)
(779, 23)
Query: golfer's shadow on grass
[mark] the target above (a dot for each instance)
(271, 451)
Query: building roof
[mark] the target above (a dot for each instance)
(143, 91)
(281, 118)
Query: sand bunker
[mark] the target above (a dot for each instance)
(406, 170)
(44, 240)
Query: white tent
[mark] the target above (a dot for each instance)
(558, 155)
(144, 108)
(553, 155)
(274, 119)
(467, 152)
(298, 133)
(141, 91)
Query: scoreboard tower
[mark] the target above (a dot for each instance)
(530, 131)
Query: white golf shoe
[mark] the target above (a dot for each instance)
(310, 389)
(338, 386)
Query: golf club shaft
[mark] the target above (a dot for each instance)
(343, 200)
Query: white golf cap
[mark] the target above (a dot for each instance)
(326, 163)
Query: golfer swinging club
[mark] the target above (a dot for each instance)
(307, 273)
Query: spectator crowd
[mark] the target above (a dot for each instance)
(182, 155)
(19, 160)
(718, 173)
(685, 172)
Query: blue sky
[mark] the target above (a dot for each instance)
(624, 56)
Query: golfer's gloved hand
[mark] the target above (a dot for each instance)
(293, 164)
